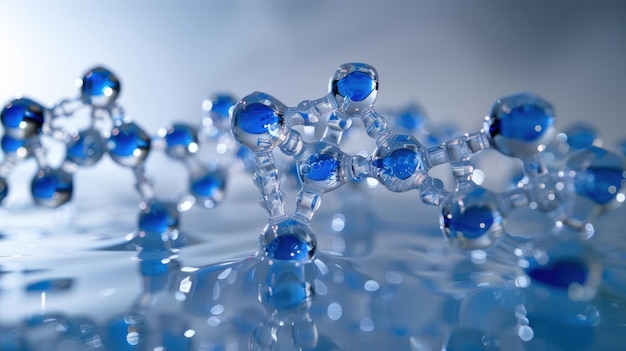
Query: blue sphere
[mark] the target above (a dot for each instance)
(258, 118)
(289, 248)
(217, 108)
(580, 136)
(85, 148)
(521, 125)
(158, 217)
(560, 274)
(22, 118)
(471, 223)
(16, 147)
(287, 291)
(181, 140)
(321, 167)
(128, 144)
(100, 88)
(600, 184)
(208, 187)
(400, 163)
(356, 86)
(52, 187)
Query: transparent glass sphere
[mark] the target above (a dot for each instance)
(22, 118)
(354, 87)
(258, 122)
(99, 87)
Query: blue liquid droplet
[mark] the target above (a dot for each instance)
(356, 86)
(180, 135)
(86, 149)
(127, 138)
(99, 82)
(473, 222)
(600, 184)
(257, 118)
(321, 167)
(581, 136)
(525, 122)
(289, 248)
(21, 111)
(560, 274)
(288, 292)
(400, 163)
(209, 185)
(10, 145)
(221, 105)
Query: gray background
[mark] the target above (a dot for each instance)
(453, 57)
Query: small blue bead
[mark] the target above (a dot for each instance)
(10, 145)
(321, 167)
(180, 135)
(581, 136)
(127, 138)
(87, 148)
(257, 118)
(23, 117)
(208, 185)
(288, 293)
(158, 218)
(473, 222)
(356, 86)
(221, 105)
(526, 118)
(600, 184)
(400, 163)
(560, 274)
(411, 119)
(288, 248)
(52, 187)
(100, 83)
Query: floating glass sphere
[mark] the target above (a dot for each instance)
(22, 118)
(99, 87)
(208, 187)
(289, 241)
(85, 148)
(128, 144)
(181, 141)
(217, 108)
(258, 122)
(397, 161)
(17, 147)
(158, 217)
(323, 168)
(355, 87)
(471, 219)
(598, 176)
(581, 136)
(520, 125)
(52, 187)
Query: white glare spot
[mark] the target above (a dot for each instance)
(393, 277)
(224, 274)
(518, 252)
(366, 325)
(179, 296)
(479, 256)
(193, 148)
(334, 311)
(478, 176)
(371, 285)
(522, 281)
(612, 189)
(213, 321)
(338, 222)
(137, 152)
(189, 333)
(162, 132)
(188, 269)
(108, 91)
(132, 338)
(21, 152)
(308, 130)
(221, 148)
(560, 186)
(78, 82)
(185, 285)
(540, 148)
(537, 128)
(620, 197)
(320, 288)
(371, 182)
(525, 333)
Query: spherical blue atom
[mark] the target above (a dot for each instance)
(560, 274)
(600, 184)
(524, 123)
(181, 140)
(355, 86)
(400, 163)
(128, 144)
(52, 187)
(209, 186)
(158, 217)
(321, 167)
(288, 292)
(257, 118)
(218, 108)
(86, 148)
(472, 223)
(581, 136)
(22, 118)
(15, 147)
(289, 248)
(100, 87)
